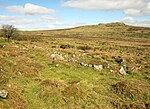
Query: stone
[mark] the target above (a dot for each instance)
(82, 63)
(24, 48)
(1, 69)
(53, 56)
(2, 46)
(122, 71)
(111, 71)
(57, 65)
(57, 56)
(90, 65)
(72, 60)
(85, 65)
(74, 55)
(3, 93)
(98, 67)
(60, 57)
(34, 46)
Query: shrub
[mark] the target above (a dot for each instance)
(8, 31)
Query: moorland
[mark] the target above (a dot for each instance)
(77, 68)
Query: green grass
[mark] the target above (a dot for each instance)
(3, 42)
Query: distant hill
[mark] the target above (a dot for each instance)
(116, 29)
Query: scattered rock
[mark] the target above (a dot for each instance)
(57, 57)
(60, 57)
(72, 60)
(57, 65)
(1, 69)
(2, 46)
(53, 56)
(98, 67)
(122, 71)
(90, 65)
(83, 64)
(34, 46)
(3, 93)
(74, 55)
(24, 48)
(9, 85)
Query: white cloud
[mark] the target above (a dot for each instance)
(5, 18)
(131, 7)
(14, 20)
(105, 4)
(136, 22)
(133, 12)
(128, 20)
(48, 26)
(23, 21)
(30, 9)
(44, 22)
(48, 18)
(68, 24)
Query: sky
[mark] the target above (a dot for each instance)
(59, 14)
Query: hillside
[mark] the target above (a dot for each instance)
(105, 66)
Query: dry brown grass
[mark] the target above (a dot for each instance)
(135, 94)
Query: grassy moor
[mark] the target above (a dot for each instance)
(104, 66)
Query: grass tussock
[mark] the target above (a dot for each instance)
(134, 94)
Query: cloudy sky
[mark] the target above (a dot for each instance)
(56, 14)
